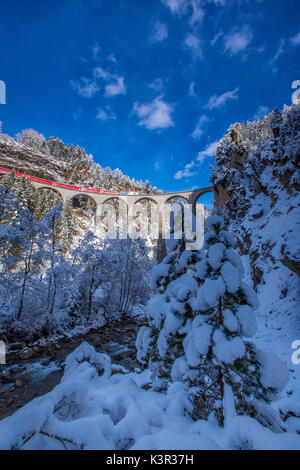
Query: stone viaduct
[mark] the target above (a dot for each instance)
(130, 200)
(191, 197)
(128, 204)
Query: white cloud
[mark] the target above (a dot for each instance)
(83, 59)
(158, 84)
(217, 101)
(187, 172)
(197, 12)
(157, 166)
(283, 46)
(96, 49)
(85, 87)
(159, 33)
(295, 40)
(154, 115)
(112, 58)
(210, 151)
(116, 87)
(279, 51)
(192, 168)
(222, 3)
(198, 131)
(216, 38)
(238, 41)
(99, 72)
(88, 87)
(194, 44)
(106, 114)
(192, 89)
(261, 112)
(177, 7)
(192, 8)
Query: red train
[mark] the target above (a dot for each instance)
(59, 185)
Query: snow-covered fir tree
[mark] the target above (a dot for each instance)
(33, 139)
(67, 229)
(8, 182)
(21, 187)
(161, 343)
(24, 191)
(199, 325)
(47, 199)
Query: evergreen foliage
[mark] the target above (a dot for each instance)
(199, 325)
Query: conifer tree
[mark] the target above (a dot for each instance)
(9, 181)
(47, 200)
(68, 227)
(158, 346)
(199, 323)
(24, 191)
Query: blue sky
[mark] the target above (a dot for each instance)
(148, 86)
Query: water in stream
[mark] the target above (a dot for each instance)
(21, 380)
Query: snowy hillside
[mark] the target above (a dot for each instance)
(256, 182)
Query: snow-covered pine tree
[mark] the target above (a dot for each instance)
(33, 139)
(8, 182)
(199, 323)
(24, 191)
(169, 312)
(275, 121)
(217, 351)
(21, 187)
(68, 227)
(47, 200)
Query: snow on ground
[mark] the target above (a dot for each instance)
(278, 327)
(93, 409)
(279, 290)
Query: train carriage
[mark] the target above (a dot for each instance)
(59, 185)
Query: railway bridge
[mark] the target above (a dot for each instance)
(100, 198)
(191, 197)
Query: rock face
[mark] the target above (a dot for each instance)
(25, 159)
(256, 181)
(256, 189)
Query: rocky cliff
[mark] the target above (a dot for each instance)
(30, 153)
(256, 188)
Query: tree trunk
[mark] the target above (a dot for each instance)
(22, 296)
(27, 263)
